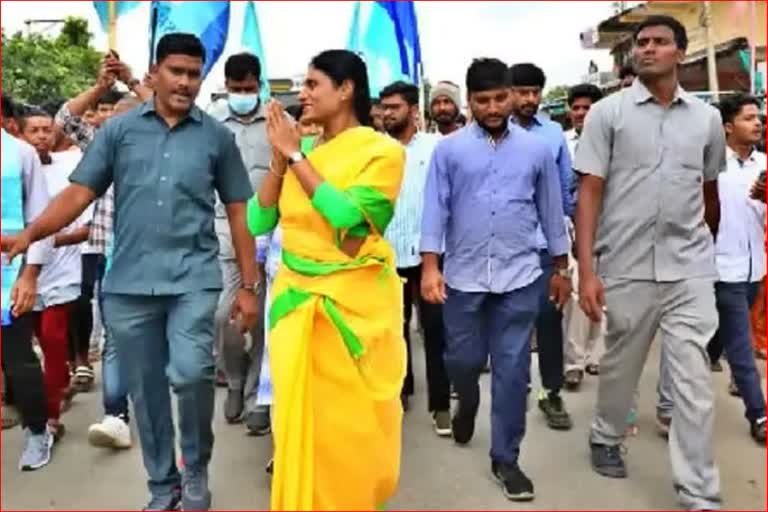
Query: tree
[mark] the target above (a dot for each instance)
(559, 92)
(38, 68)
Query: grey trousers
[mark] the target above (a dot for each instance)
(686, 315)
(584, 339)
(241, 366)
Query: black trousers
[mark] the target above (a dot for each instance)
(24, 374)
(82, 312)
(431, 316)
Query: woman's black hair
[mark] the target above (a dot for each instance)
(341, 65)
(295, 111)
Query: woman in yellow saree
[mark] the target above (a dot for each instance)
(336, 347)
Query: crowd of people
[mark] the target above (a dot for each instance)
(282, 253)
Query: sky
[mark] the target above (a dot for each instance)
(452, 33)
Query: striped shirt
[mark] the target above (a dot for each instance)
(404, 232)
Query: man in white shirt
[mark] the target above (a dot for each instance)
(584, 339)
(59, 284)
(400, 107)
(740, 257)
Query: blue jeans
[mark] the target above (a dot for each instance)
(477, 324)
(549, 332)
(162, 342)
(115, 396)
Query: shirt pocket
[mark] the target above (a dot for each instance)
(690, 158)
(515, 217)
(134, 163)
(193, 173)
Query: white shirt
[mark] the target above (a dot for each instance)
(572, 138)
(59, 281)
(740, 246)
(404, 232)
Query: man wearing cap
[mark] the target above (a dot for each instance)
(444, 107)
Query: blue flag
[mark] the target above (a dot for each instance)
(209, 21)
(251, 41)
(386, 36)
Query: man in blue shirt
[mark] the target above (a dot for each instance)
(166, 159)
(490, 186)
(526, 84)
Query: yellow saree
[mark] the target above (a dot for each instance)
(336, 347)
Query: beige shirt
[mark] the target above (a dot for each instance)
(654, 161)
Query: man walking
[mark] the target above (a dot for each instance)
(650, 156)
(166, 160)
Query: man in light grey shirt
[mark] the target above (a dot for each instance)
(237, 357)
(649, 157)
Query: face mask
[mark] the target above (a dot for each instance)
(242, 104)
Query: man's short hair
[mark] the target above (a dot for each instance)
(527, 75)
(240, 65)
(486, 74)
(730, 106)
(589, 91)
(111, 97)
(681, 36)
(32, 111)
(179, 44)
(409, 92)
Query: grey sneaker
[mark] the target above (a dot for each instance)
(607, 461)
(194, 490)
(233, 406)
(37, 450)
(170, 501)
(258, 422)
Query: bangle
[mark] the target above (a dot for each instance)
(275, 173)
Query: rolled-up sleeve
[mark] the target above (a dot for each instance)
(95, 170)
(231, 179)
(36, 199)
(593, 155)
(550, 206)
(715, 152)
(437, 195)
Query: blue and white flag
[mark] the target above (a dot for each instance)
(251, 41)
(386, 36)
(209, 21)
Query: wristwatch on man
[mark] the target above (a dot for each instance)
(255, 287)
(565, 273)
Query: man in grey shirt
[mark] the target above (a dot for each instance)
(166, 160)
(244, 115)
(649, 157)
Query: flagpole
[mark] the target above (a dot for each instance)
(753, 48)
(112, 24)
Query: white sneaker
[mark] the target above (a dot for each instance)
(112, 432)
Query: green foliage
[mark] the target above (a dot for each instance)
(556, 93)
(37, 68)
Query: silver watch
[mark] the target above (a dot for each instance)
(252, 288)
(295, 157)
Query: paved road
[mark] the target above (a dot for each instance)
(436, 474)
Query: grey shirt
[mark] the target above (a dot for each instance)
(35, 201)
(164, 183)
(251, 138)
(654, 161)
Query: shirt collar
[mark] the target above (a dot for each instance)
(643, 95)
(480, 133)
(194, 113)
(733, 156)
(537, 120)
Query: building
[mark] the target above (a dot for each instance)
(737, 27)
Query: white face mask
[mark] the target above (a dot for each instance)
(242, 104)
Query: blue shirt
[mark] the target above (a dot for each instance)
(487, 200)
(404, 231)
(552, 134)
(164, 183)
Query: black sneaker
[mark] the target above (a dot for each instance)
(515, 485)
(552, 406)
(463, 424)
(757, 430)
(170, 501)
(259, 422)
(607, 461)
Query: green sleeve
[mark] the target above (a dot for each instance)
(336, 207)
(261, 220)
